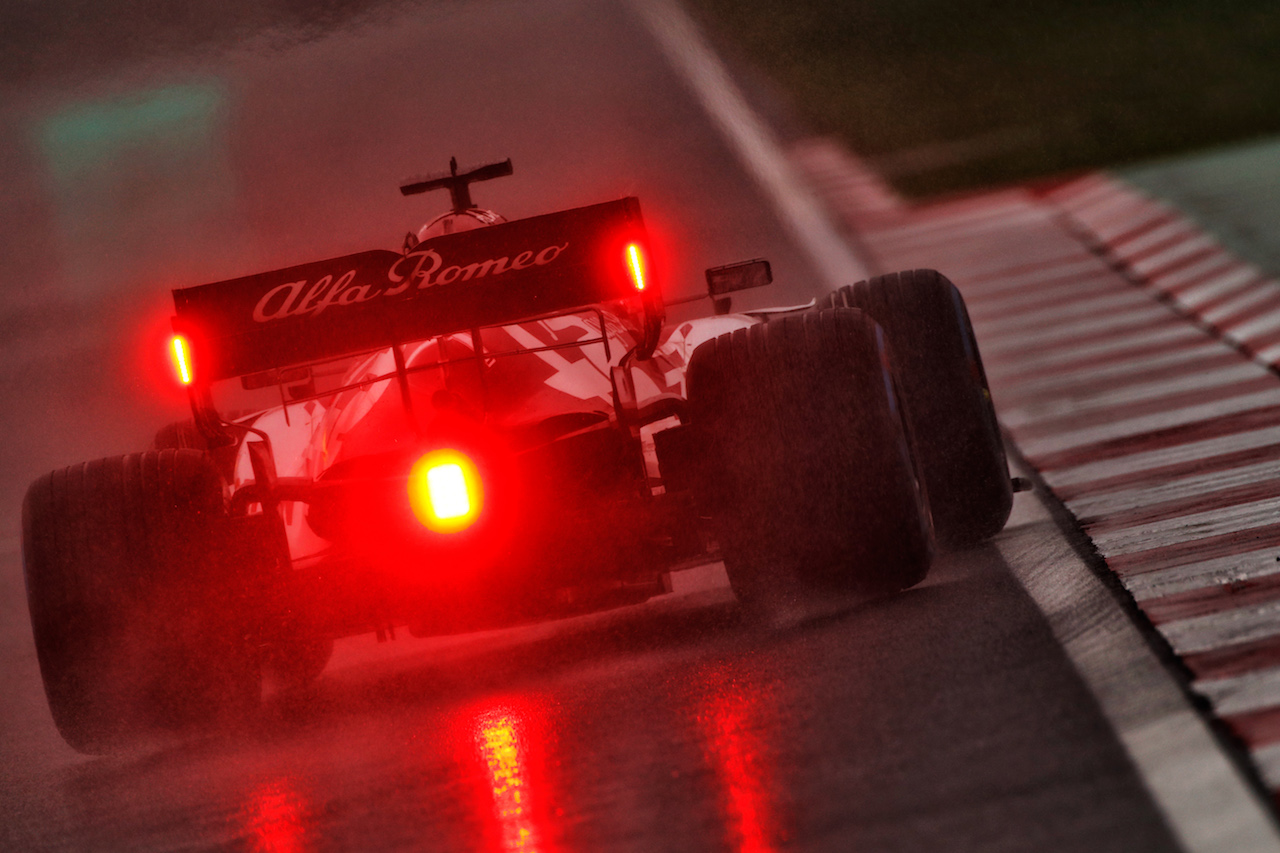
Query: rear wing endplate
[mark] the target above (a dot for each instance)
(356, 303)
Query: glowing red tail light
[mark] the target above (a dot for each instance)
(447, 488)
(636, 265)
(445, 491)
(182, 359)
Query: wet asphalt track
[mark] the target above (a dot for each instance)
(946, 718)
(943, 719)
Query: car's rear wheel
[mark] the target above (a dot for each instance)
(138, 627)
(296, 659)
(947, 398)
(807, 472)
(179, 435)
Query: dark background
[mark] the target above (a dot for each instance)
(944, 95)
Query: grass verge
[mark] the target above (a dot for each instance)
(945, 96)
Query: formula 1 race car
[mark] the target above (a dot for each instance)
(491, 426)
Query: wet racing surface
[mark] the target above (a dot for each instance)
(943, 719)
(946, 717)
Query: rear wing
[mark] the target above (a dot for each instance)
(490, 276)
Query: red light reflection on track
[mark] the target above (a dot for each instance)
(736, 720)
(274, 818)
(503, 738)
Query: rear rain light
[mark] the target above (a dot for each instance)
(636, 265)
(181, 351)
(445, 492)
(447, 488)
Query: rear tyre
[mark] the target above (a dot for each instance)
(947, 398)
(807, 470)
(137, 629)
(296, 660)
(179, 435)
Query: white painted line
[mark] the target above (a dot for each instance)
(858, 188)
(957, 209)
(753, 142)
(1026, 283)
(1093, 376)
(1150, 423)
(1123, 206)
(1018, 248)
(1242, 693)
(1137, 217)
(1261, 324)
(1080, 267)
(979, 257)
(1098, 305)
(1208, 573)
(1159, 260)
(1203, 797)
(1116, 189)
(1219, 521)
(905, 238)
(1112, 347)
(1218, 286)
(1119, 398)
(946, 218)
(1217, 262)
(992, 237)
(1084, 192)
(1047, 290)
(1136, 245)
(1113, 322)
(1270, 355)
(986, 273)
(1259, 292)
(1241, 625)
(941, 238)
(1140, 216)
(1148, 459)
(1183, 488)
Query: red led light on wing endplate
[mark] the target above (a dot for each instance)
(181, 352)
(445, 492)
(636, 265)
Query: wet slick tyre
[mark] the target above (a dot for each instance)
(807, 471)
(136, 629)
(180, 435)
(947, 399)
